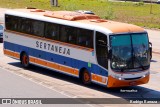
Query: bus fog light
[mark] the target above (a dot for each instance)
(120, 78)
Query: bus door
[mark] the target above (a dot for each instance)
(102, 53)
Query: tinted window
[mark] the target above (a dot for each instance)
(52, 31)
(130, 51)
(10, 22)
(63, 33)
(85, 38)
(72, 35)
(24, 25)
(102, 50)
(37, 28)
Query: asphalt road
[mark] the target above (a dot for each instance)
(16, 86)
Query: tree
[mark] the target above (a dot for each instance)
(54, 2)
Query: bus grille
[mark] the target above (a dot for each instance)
(132, 78)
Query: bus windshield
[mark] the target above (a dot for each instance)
(130, 52)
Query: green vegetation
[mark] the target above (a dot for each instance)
(130, 12)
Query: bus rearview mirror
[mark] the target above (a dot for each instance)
(150, 49)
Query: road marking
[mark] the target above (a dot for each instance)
(21, 75)
(74, 97)
(30, 78)
(155, 52)
(50, 87)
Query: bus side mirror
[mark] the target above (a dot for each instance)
(110, 54)
(150, 49)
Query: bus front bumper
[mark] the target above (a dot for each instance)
(113, 82)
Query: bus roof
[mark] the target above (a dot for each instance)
(94, 20)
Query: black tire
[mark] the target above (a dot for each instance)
(85, 77)
(25, 60)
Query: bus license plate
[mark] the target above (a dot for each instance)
(132, 83)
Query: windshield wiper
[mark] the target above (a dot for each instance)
(140, 63)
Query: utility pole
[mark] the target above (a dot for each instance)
(151, 7)
(54, 2)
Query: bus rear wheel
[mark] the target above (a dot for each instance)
(86, 77)
(25, 60)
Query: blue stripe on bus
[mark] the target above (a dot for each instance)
(70, 62)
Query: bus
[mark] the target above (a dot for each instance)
(95, 50)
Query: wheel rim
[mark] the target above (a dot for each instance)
(25, 60)
(86, 77)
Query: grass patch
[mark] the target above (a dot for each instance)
(135, 13)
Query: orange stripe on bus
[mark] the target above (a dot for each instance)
(54, 66)
(98, 78)
(10, 53)
(44, 63)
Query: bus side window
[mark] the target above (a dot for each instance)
(15, 24)
(63, 33)
(72, 35)
(18, 24)
(52, 31)
(38, 28)
(11, 22)
(101, 49)
(24, 25)
(85, 38)
(8, 22)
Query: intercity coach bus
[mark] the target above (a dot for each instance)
(82, 45)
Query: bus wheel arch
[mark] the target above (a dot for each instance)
(24, 58)
(85, 76)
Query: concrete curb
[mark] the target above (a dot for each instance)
(155, 52)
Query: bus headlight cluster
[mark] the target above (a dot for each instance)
(117, 77)
(146, 74)
(120, 78)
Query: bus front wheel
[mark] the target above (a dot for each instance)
(25, 60)
(86, 77)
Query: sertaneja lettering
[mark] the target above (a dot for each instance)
(54, 48)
